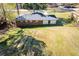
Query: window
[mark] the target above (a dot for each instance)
(53, 22)
(45, 21)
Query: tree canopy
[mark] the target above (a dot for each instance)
(35, 6)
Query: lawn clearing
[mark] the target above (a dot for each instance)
(59, 40)
(65, 15)
(53, 11)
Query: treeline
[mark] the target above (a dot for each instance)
(35, 6)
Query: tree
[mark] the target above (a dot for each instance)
(3, 21)
(35, 6)
(4, 12)
(7, 15)
(10, 11)
(17, 7)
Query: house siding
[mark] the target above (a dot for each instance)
(24, 23)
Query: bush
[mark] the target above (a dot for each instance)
(62, 21)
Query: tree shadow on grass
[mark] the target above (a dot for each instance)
(24, 46)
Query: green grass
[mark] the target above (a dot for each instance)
(63, 14)
(58, 14)
(59, 40)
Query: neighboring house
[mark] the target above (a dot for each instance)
(35, 19)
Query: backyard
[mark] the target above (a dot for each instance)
(55, 40)
(59, 40)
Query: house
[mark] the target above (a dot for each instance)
(35, 19)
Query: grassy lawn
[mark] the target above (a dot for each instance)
(59, 14)
(63, 14)
(59, 40)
